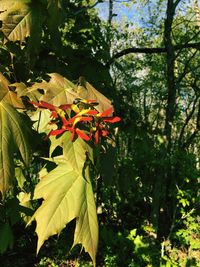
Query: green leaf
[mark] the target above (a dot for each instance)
(41, 120)
(86, 231)
(26, 208)
(67, 193)
(21, 19)
(12, 134)
(19, 13)
(13, 138)
(87, 91)
(66, 196)
(6, 237)
(3, 86)
(7, 95)
(20, 177)
(73, 152)
(59, 90)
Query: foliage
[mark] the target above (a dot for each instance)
(73, 198)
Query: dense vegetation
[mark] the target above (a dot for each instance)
(66, 159)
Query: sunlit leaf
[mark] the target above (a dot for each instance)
(66, 196)
(3, 86)
(67, 193)
(26, 207)
(41, 120)
(91, 93)
(59, 90)
(16, 18)
(86, 231)
(13, 138)
(74, 152)
(21, 19)
(7, 95)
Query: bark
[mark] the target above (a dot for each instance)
(110, 17)
(162, 205)
(170, 60)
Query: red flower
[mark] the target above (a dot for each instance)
(105, 115)
(43, 104)
(85, 120)
(101, 124)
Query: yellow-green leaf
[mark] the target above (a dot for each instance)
(16, 18)
(67, 193)
(86, 231)
(7, 95)
(3, 86)
(59, 90)
(21, 19)
(13, 138)
(73, 152)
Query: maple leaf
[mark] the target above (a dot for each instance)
(68, 195)
(13, 134)
(20, 19)
(60, 91)
(13, 137)
(7, 95)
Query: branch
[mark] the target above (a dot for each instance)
(195, 132)
(188, 42)
(176, 3)
(187, 121)
(182, 75)
(149, 50)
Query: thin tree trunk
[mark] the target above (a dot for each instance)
(162, 206)
(170, 60)
(110, 16)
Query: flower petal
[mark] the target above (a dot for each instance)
(54, 114)
(77, 119)
(56, 132)
(65, 121)
(87, 112)
(96, 137)
(36, 104)
(82, 134)
(112, 119)
(104, 133)
(106, 112)
(49, 106)
(43, 104)
(65, 106)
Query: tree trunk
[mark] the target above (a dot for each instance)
(110, 16)
(162, 208)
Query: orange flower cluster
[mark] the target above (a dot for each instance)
(80, 118)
